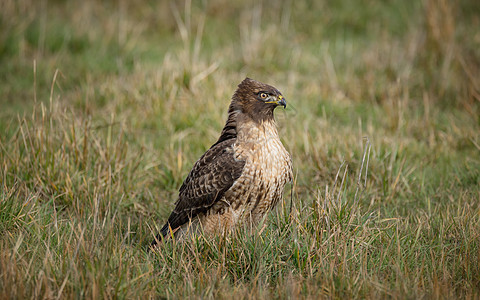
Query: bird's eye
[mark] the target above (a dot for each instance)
(263, 95)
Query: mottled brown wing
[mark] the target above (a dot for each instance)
(212, 175)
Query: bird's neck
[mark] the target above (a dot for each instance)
(253, 131)
(241, 125)
(230, 129)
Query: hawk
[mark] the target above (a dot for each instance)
(242, 176)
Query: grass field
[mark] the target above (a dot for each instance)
(106, 105)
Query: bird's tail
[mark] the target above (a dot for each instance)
(161, 236)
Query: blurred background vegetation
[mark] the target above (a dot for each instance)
(106, 105)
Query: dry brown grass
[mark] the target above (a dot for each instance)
(108, 104)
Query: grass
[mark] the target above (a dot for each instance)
(107, 105)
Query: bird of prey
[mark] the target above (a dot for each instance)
(242, 176)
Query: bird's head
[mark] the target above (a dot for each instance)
(257, 99)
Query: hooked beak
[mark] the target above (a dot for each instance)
(281, 101)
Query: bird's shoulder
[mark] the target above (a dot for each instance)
(214, 162)
(211, 176)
